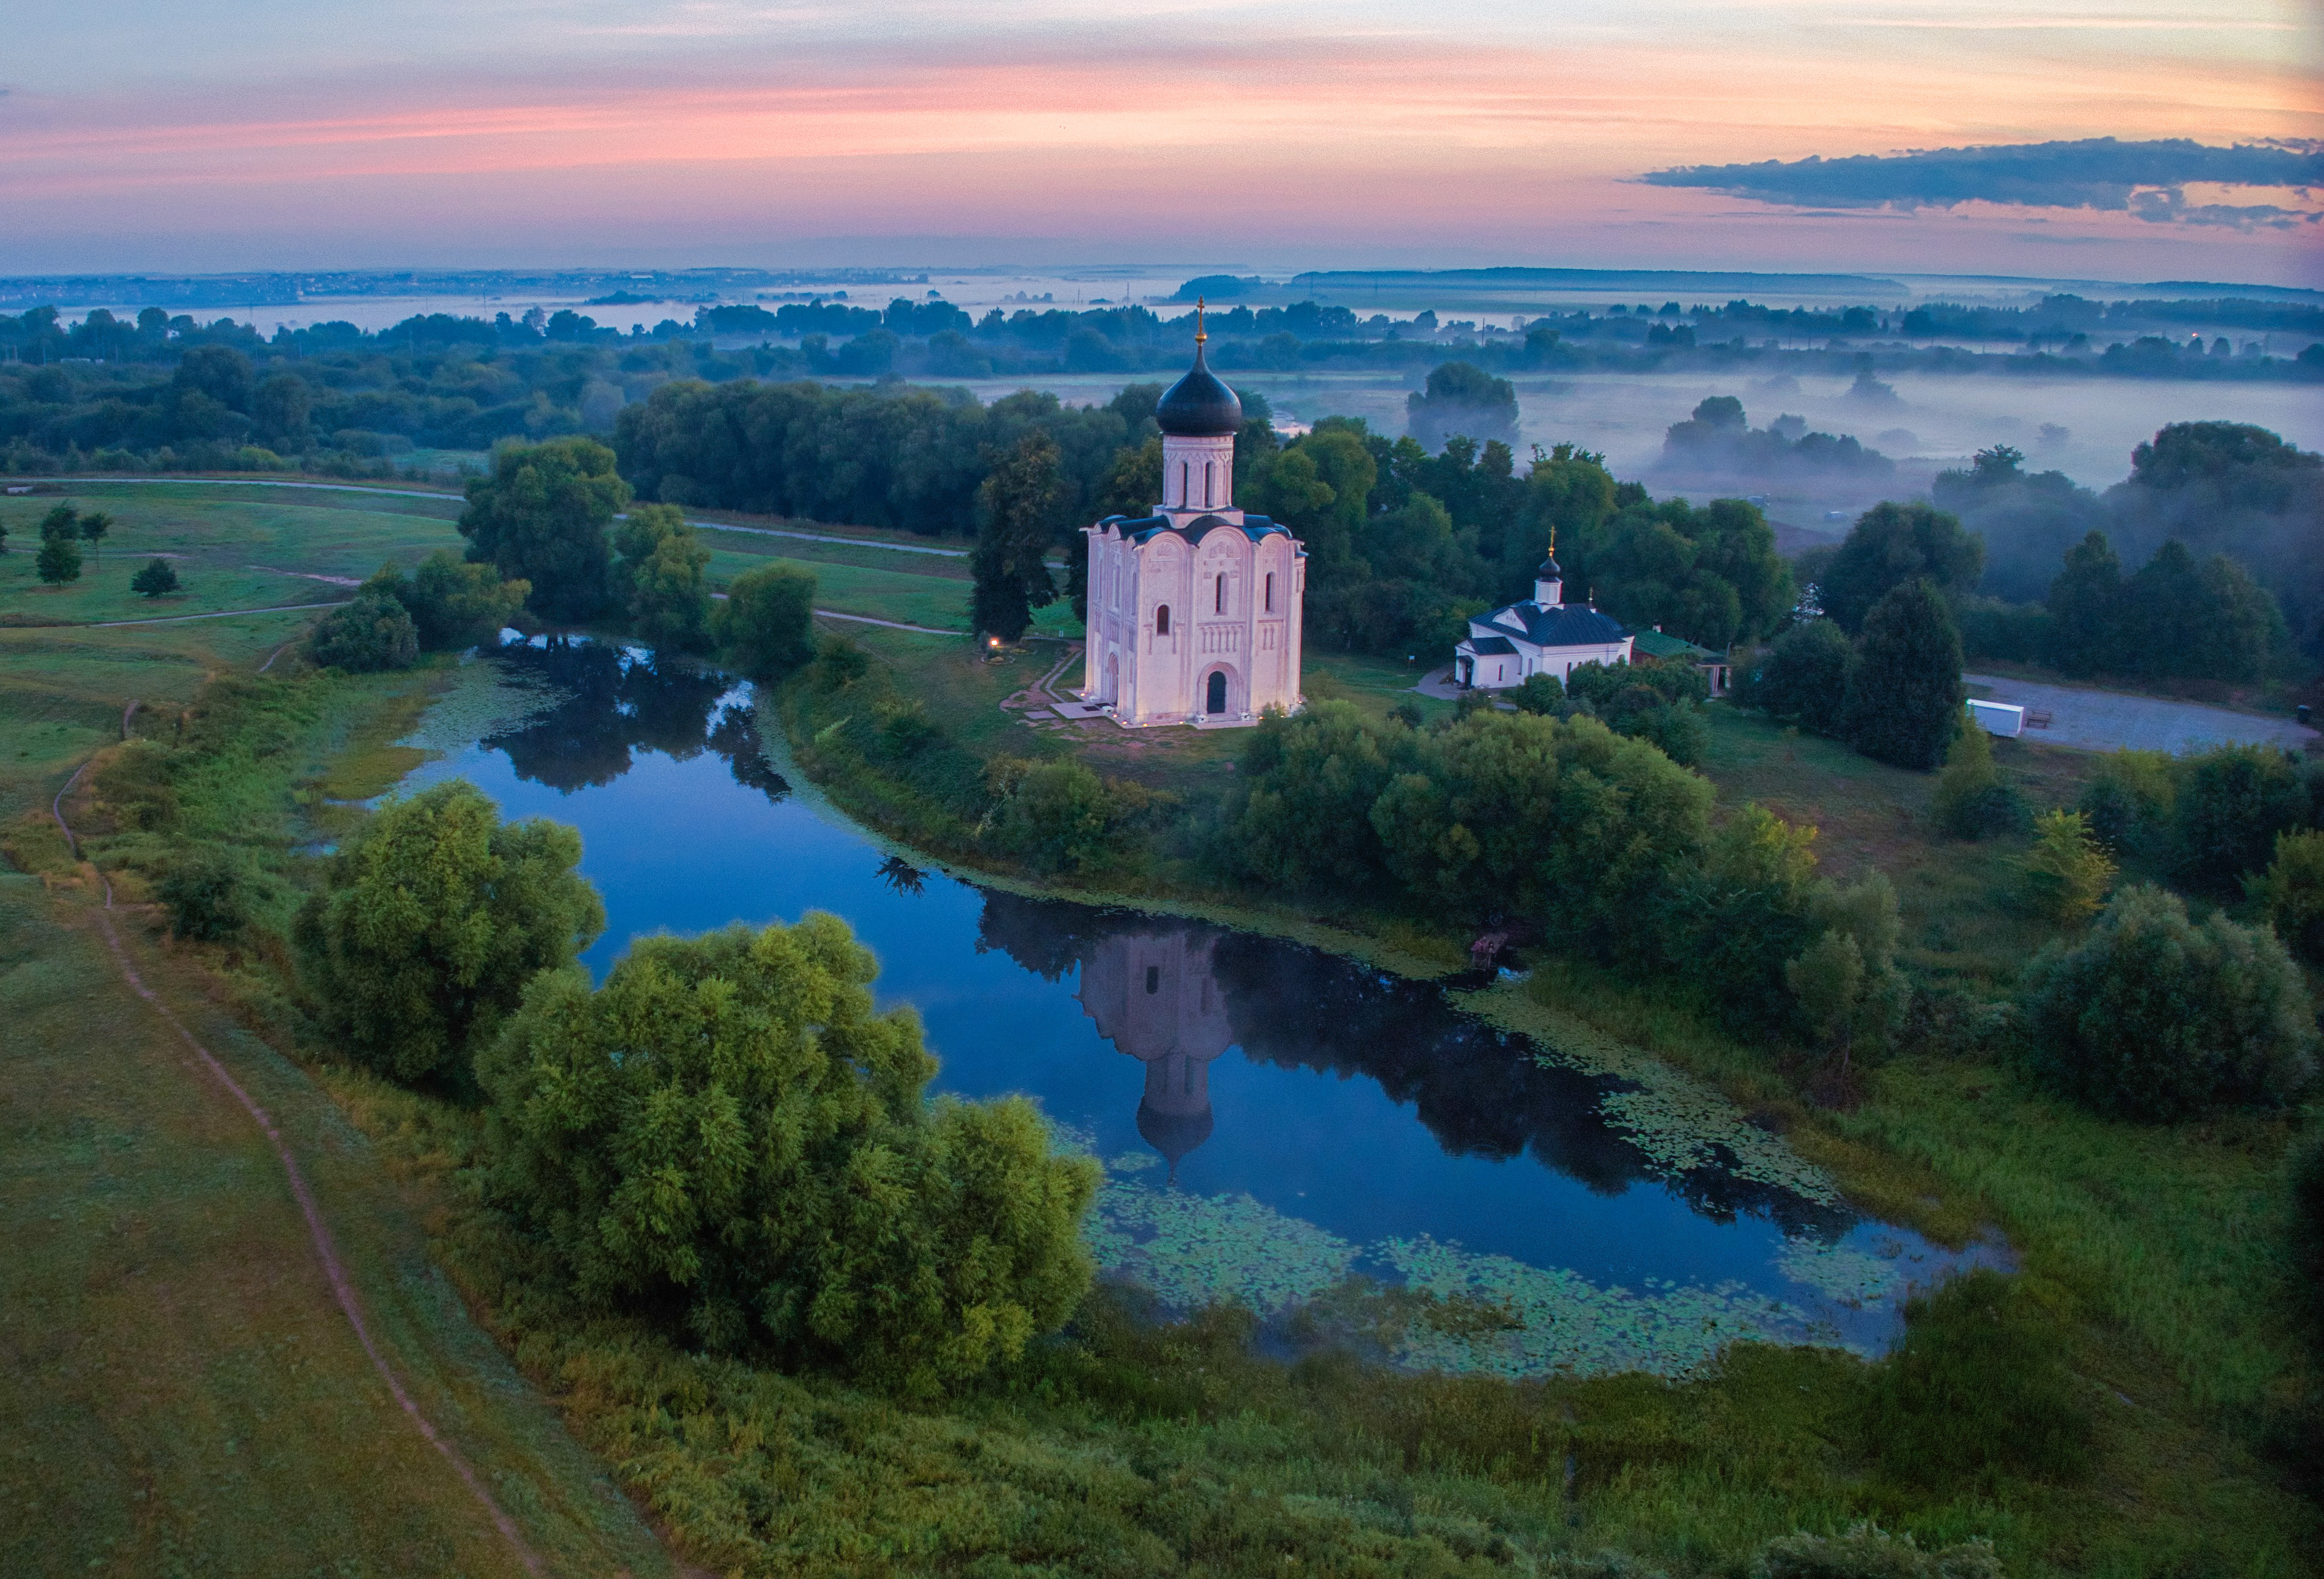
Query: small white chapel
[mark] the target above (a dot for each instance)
(1195, 608)
(1545, 635)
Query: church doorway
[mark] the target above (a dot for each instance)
(1111, 690)
(1214, 696)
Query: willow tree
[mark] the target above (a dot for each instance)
(728, 1132)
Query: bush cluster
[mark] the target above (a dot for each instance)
(2156, 1015)
(1600, 840)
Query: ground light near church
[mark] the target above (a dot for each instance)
(1280, 1127)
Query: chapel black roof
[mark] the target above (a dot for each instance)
(1198, 406)
(1566, 624)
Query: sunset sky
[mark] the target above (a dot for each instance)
(249, 134)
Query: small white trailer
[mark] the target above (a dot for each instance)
(2005, 719)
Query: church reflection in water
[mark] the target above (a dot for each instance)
(1154, 996)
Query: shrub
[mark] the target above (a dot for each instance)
(2291, 891)
(159, 578)
(1976, 1393)
(1055, 816)
(766, 626)
(2231, 803)
(1846, 983)
(2067, 874)
(206, 896)
(2130, 799)
(1868, 1552)
(429, 925)
(2153, 1017)
(370, 634)
(728, 1129)
(1541, 692)
(1973, 800)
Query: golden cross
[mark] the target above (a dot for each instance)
(1200, 334)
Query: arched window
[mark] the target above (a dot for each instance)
(1162, 620)
(1182, 469)
(1153, 978)
(1219, 598)
(1270, 592)
(1208, 470)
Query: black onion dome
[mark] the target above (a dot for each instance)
(1198, 406)
(1173, 1134)
(1549, 570)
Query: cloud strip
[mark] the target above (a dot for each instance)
(2147, 179)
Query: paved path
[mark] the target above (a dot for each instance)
(2091, 720)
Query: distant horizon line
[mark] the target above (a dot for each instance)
(869, 273)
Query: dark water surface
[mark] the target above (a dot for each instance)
(1273, 1117)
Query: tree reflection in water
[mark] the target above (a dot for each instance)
(620, 700)
(1481, 1092)
(901, 875)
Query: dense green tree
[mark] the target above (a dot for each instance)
(2228, 806)
(729, 1129)
(659, 578)
(157, 578)
(542, 517)
(1518, 815)
(431, 923)
(2291, 892)
(1302, 823)
(1569, 497)
(766, 626)
(1016, 507)
(1803, 676)
(456, 604)
(58, 560)
(1904, 696)
(93, 527)
(2153, 1016)
(369, 634)
(1892, 544)
(1462, 398)
(2086, 607)
(281, 413)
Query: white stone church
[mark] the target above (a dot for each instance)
(1193, 609)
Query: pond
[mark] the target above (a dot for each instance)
(1275, 1121)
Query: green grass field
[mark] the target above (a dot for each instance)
(255, 547)
(179, 1392)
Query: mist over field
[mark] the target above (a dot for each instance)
(2084, 428)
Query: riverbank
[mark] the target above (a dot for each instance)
(2155, 1254)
